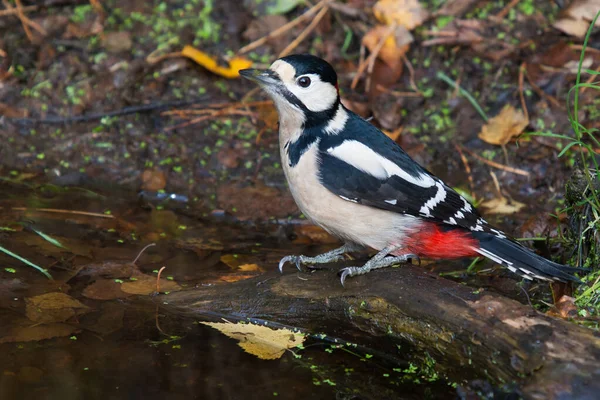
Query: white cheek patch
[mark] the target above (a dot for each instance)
(338, 122)
(368, 161)
(319, 96)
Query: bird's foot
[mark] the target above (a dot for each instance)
(310, 262)
(375, 263)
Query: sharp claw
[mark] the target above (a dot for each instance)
(343, 275)
(283, 261)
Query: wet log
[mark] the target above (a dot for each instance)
(482, 335)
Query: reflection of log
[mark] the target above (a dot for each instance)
(475, 335)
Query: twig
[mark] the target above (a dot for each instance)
(543, 94)
(13, 11)
(211, 107)
(468, 170)
(158, 279)
(214, 115)
(281, 30)
(96, 116)
(59, 211)
(590, 80)
(376, 51)
(497, 165)
(369, 61)
(411, 72)
(397, 93)
(142, 251)
(504, 12)
(442, 76)
(521, 95)
(26, 22)
(305, 32)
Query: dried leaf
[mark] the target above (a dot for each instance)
(258, 340)
(145, 285)
(501, 205)
(53, 307)
(576, 19)
(104, 289)
(394, 47)
(566, 307)
(395, 134)
(504, 126)
(27, 333)
(230, 72)
(406, 13)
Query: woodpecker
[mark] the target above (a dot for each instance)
(359, 185)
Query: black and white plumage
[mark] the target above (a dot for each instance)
(351, 179)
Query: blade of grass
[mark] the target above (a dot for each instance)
(49, 239)
(443, 77)
(23, 260)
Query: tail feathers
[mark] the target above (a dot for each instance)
(521, 260)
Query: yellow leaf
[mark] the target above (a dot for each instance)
(502, 206)
(406, 13)
(394, 47)
(504, 126)
(258, 340)
(203, 59)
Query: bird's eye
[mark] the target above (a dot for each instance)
(304, 81)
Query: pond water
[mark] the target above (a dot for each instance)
(97, 330)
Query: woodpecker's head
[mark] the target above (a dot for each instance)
(301, 86)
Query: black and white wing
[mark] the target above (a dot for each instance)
(371, 169)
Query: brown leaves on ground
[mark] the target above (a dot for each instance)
(146, 284)
(396, 43)
(504, 126)
(576, 19)
(502, 205)
(264, 342)
(53, 307)
(564, 308)
(406, 13)
(24, 331)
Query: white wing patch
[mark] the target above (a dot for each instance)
(348, 199)
(368, 161)
(434, 201)
(338, 122)
(392, 202)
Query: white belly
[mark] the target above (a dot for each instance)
(347, 220)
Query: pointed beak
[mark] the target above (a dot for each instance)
(264, 77)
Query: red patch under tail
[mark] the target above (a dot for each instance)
(431, 241)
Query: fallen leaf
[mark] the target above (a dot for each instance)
(564, 308)
(504, 126)
(145, 285)
(208, 62)
(576, 19)
(23, 331)
(501, 205)
(154, 180)
(104, 289)
(231, 278)
(406, 13)
(235, 261)
(258, 340)
(395, 134)
(396, 44)
(53, 307)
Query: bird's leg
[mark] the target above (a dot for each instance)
(379, 260)
(330, 256)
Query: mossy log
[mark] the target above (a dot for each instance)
(479, 336)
